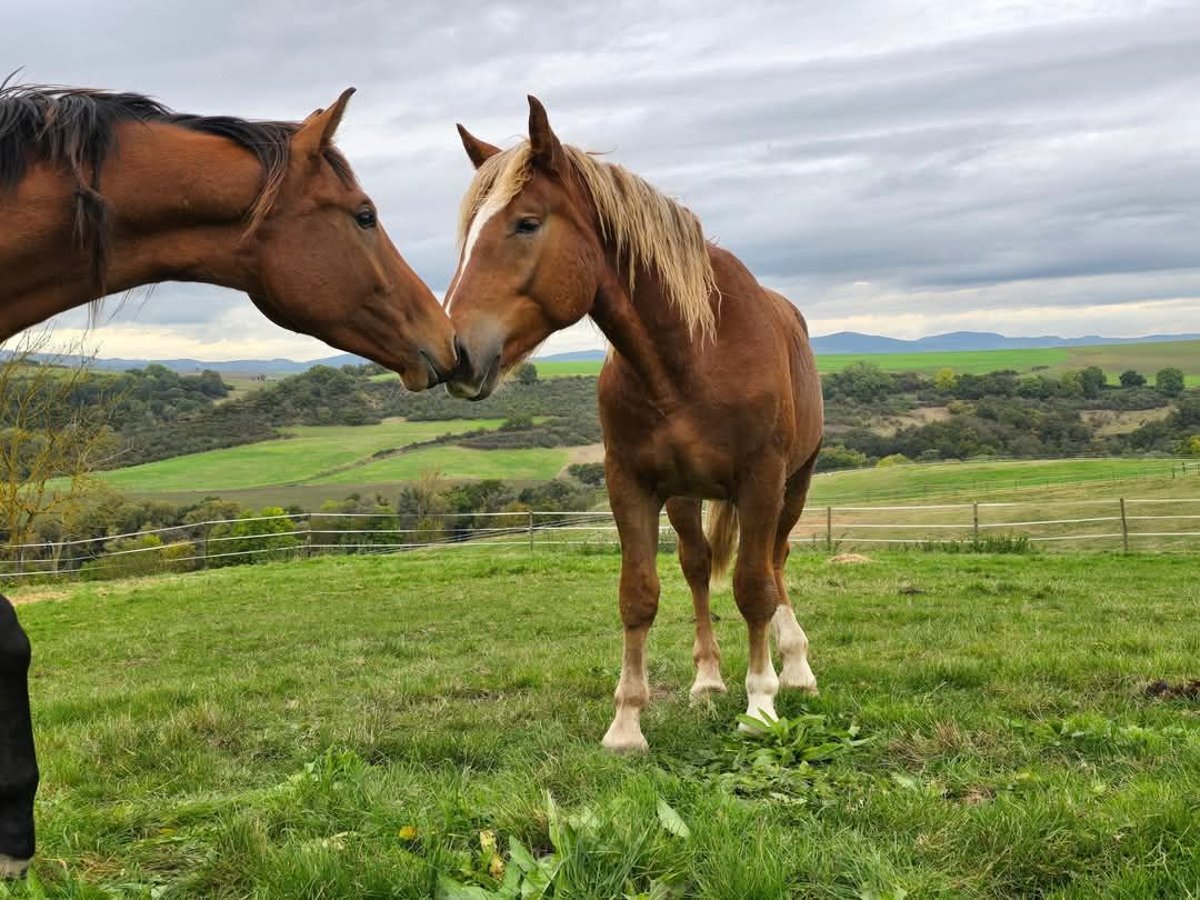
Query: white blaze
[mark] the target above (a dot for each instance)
(490, 207)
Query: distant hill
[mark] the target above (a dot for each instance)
(186, 366)
(856, 342)
(842, 342)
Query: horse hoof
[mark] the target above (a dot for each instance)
(11, 867)
(701, 691)
(630, 742)
(799, 679)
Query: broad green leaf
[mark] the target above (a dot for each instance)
(670, 820)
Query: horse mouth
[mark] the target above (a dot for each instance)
(475, 388)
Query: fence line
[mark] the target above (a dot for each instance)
(215, 542)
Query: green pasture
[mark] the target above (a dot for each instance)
(530, 464)
(308, 453)
(428, 725)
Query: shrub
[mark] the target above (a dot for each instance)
(129, 558)
(588, 473)
(254, 537)
(838, 457)
(1169, 381)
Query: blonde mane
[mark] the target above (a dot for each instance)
(647, 228)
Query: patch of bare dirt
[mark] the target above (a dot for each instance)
(588, 453)
(922, 415)
(1165, 690)
(1122, 421)
(849, 559)
(36, 596)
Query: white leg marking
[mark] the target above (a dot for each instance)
(708, 666)
(761, 682)
(633, 691)
(793, 647)
(11, 867)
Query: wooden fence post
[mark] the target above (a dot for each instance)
(531, 531)
(975, 520)
(1124, 527)
(829, 528)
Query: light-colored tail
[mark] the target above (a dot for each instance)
(722, 534)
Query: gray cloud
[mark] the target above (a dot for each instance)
(938, 158)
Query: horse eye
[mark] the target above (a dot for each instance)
(528, 225)
(365, 217)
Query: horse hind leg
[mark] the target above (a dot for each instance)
(790, 638)
(18, 764)
(695, 559)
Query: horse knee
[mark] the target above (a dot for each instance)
(18, 765)
(639, 597)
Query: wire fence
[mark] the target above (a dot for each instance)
(1127, 525)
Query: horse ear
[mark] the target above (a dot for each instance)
(479, 151)
(547, 151)
(317, 131)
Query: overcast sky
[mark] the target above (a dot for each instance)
(902, 168)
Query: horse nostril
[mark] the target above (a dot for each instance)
(462, 362)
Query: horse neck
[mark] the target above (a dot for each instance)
(645, 328)
(176, 203)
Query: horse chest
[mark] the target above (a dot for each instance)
(672, 456)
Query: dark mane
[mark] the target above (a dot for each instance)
(74, 128)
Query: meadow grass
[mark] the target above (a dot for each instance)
(366, 727)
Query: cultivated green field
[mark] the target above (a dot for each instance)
(1114, 359)
(563, 368)
(359, 727)
(532, 464)
(1008, 479)
(309, 453)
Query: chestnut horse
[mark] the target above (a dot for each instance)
(710, 390)
(102, 192)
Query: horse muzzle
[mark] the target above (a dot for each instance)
(476, 375)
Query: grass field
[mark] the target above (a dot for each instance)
(532, 464)
(309, 453)
(1007, 479)
(1114, 359)
(360, 727)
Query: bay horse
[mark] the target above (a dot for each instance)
(103, 192)
(710, 390)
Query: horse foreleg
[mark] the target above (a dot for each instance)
(18, 765)
(636, 513)
(695, 559)
(759, 504)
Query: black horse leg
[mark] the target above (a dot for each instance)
(18, 764)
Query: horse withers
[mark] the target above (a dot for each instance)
(103, 192)
(710, 390)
